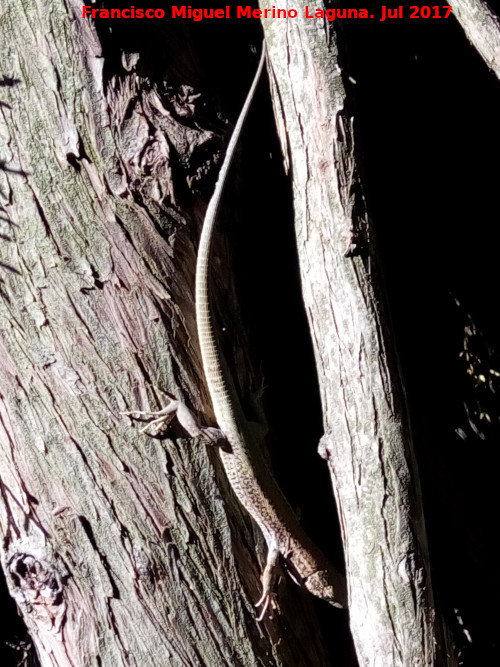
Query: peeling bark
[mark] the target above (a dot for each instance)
(367, 440)
(482, 28)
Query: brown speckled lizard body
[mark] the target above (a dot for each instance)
(245, 467)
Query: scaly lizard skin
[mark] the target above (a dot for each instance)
(245, 467)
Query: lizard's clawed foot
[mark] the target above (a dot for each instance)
(158, 422)
(265, 599)
(268, 582)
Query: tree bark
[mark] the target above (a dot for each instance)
(119, 549)
(367, 440)
(482, 28)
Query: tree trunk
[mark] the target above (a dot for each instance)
(119, 549)
(482, 28)
(367, 440)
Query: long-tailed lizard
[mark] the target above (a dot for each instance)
(245, 467)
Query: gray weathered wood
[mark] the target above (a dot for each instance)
(367, 441)
(482, 28)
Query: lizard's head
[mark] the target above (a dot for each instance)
(319, 584)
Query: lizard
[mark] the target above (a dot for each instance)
(242, 459)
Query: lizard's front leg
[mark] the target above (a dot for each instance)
(175, 408)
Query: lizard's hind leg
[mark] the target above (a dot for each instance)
(269, 580)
